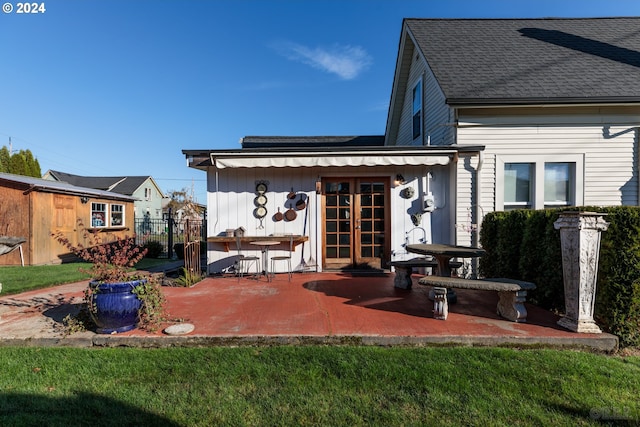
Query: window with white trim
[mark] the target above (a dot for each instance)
(117, 215)
(518, 184)
(98, 215)
(107, 215)
(417, 110)
(539, 181)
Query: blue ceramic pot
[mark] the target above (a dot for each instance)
(115, 306)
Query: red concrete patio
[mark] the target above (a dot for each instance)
(330, 308)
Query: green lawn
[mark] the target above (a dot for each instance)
(16, 279)
(315, 386)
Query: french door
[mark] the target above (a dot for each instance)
(356, 223)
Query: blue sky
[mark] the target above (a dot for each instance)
(115, 87)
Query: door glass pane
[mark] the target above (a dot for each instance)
(557, 184)
(517, 185)
(338, 220)
(366, 252)
(366, 200)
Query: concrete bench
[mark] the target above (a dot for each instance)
(512, 293)
(404, 270)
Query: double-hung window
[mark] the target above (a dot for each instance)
(417, 110)
(538, 182)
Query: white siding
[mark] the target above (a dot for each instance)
(435, 112)
(609, 153)
(230, 205)
(465, 226)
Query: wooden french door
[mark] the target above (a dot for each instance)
(356, 223)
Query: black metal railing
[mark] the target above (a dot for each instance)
(167, 232)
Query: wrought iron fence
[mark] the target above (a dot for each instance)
(168, 232)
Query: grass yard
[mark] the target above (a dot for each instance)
(16, 279)
(341, 386)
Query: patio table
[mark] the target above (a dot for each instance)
(264, 245)
(443, 254)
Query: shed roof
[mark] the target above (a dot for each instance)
(530, 61)
(37, 184)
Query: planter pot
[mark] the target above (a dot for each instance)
(115, 306)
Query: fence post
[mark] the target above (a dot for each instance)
(170, 235)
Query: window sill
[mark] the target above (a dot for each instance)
(108, 229)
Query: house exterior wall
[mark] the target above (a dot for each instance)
(435, 112)
(149, 201)
(602, 141)
(36, 215)
(231, 194)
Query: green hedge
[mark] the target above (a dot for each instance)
(524, 244)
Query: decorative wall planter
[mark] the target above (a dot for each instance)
(115, 306)
(580, 239)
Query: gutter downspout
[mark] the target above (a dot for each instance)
(477, 214)
(215, 224)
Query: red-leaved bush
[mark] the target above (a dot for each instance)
(112, 259)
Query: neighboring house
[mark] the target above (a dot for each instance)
(33, 208)
(485, 115)
(149, 197)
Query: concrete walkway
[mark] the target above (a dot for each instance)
(314, 308)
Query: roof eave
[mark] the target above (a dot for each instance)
(529, 102)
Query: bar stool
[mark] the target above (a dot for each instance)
(286, 258)
(244, 260)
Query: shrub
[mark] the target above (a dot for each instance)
(530, 238)
(178, 249)
(154, 249)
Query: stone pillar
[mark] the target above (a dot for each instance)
(580, 240)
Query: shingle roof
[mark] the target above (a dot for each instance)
(480, 61)
(312, 141)
(118, 184)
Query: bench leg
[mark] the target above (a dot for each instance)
(511, 305)
(440, 304)
(403, 278)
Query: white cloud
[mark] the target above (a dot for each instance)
(347, 62)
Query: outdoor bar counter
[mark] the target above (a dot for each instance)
(225, 241)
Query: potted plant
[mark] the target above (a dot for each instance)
(117, 298)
